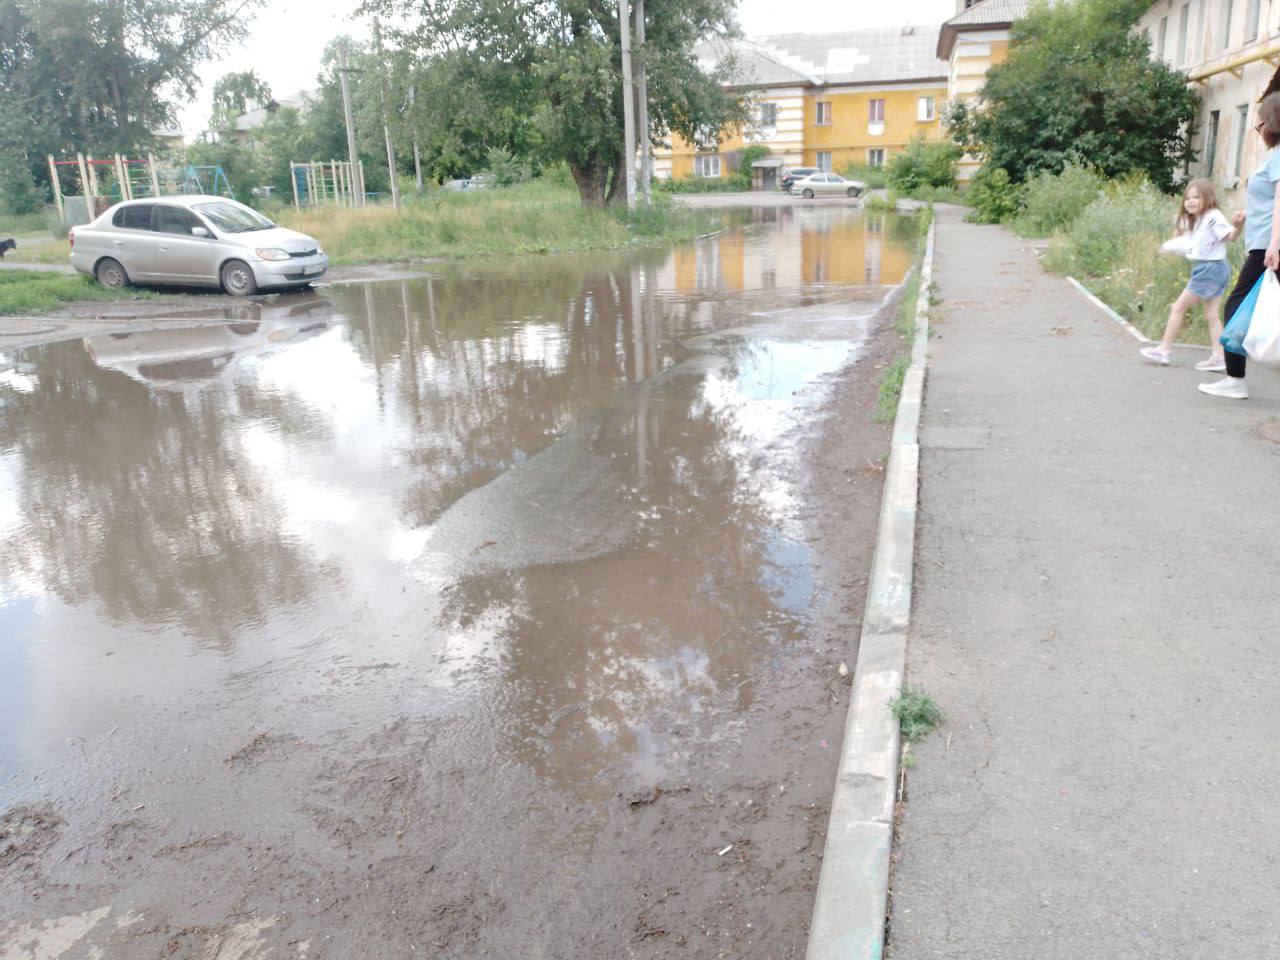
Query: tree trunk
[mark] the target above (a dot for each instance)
(618, 187)
(590, 179)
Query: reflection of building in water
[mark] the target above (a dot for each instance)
(819, 245)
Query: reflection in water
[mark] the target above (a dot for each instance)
(560, 497)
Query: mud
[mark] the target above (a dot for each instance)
(498, 613)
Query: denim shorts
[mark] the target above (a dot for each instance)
(1209, 278)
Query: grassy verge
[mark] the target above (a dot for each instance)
(28, 292)
(530, 218)
(42, 223)
(905, 324)
(47, 251)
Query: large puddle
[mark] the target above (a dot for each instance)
(450, 562)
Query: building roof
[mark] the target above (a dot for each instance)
(888, 55)
(983, 15)
(300, 101)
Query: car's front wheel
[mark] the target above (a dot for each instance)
(237, 279)
(808, 194)
(110, 273)
(853, 191)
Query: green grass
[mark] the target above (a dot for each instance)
(917, 712)
(42, 223)
(30, 292)
(891, 388)
(536, 217)
(45, 251)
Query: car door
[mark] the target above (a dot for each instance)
(835, 184)
(181, 256)
(132, 240)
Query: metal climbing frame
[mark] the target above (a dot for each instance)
(332, 182)
(104, 182)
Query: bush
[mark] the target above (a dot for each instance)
(506, 168)
(923, 165)
(876, 178)
(729, 184)
(1100, 236)
(994, 197)
(1052, 202)
(749, 156)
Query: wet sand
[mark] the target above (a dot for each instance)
(493, 614)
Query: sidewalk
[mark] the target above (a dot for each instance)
(1097, 609)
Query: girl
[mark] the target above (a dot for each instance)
(1205, 232)
(1261, 239)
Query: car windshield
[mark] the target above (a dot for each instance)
(234, 217)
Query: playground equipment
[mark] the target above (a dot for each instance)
(332, 182)
(104, 182)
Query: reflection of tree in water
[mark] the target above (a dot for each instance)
(144, 501)
(610, 666)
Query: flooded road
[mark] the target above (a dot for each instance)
(494, 613)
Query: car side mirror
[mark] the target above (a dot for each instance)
(200, 232)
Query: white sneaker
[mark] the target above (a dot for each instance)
(1156, 354)
(1212, 366)
(1233, 388)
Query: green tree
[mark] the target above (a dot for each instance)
(232, 96)
(551, 69)
(923, 165)
(100, 75)
(1080, 85)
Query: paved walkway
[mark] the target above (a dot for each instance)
(1098, 611)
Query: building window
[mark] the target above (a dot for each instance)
(1224, 39)
(1211, 143)
(824, 161)
(1252, 15)
(875, 111)
(768, 116)
(1242, 125)
(926, 109)
(1162, 35)
(1197, 53)
(1180, 55)
(824, 113)
(875, 157)
(707, 166)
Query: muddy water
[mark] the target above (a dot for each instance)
(473, 615)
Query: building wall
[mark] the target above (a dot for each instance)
(974, 53)
(1224, 57)
(850, 134)
(797, 138)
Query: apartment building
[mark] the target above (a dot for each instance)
(1230, 50)
(971, 43)
(820, 100)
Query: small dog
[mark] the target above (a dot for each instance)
(6, 246)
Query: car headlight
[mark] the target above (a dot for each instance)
(319, 250)
(272, 253)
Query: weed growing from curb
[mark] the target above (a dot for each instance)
(917, 712)
(891, 389)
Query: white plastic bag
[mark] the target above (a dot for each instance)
(1262, 342)
(1179, 245)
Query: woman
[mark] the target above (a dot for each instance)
(1261, 237)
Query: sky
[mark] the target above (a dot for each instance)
(287, 37)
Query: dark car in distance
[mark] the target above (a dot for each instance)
(794, 174)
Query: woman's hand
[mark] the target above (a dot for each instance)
(1271, 259)
(1237, 219)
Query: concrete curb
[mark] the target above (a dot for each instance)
(853, 888)
(1129, 327)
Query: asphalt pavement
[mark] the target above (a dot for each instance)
(1098, 555)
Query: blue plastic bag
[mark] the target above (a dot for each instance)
(1232, 338)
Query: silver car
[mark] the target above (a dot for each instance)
(827, 185)
(195, 241)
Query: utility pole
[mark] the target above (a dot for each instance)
(358, 193)
(642, 102)
(628, 104)
(413, 125)
(386, 117)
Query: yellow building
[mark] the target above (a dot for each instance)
(820, 100)
(970, 44)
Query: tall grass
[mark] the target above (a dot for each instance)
(905, 325)
(28, 224)
(43, 251)
(535, 217)
(29, 292)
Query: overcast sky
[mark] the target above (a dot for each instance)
(287, 37)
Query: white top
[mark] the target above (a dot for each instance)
(1209, 238)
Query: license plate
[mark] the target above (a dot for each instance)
(311, 270)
